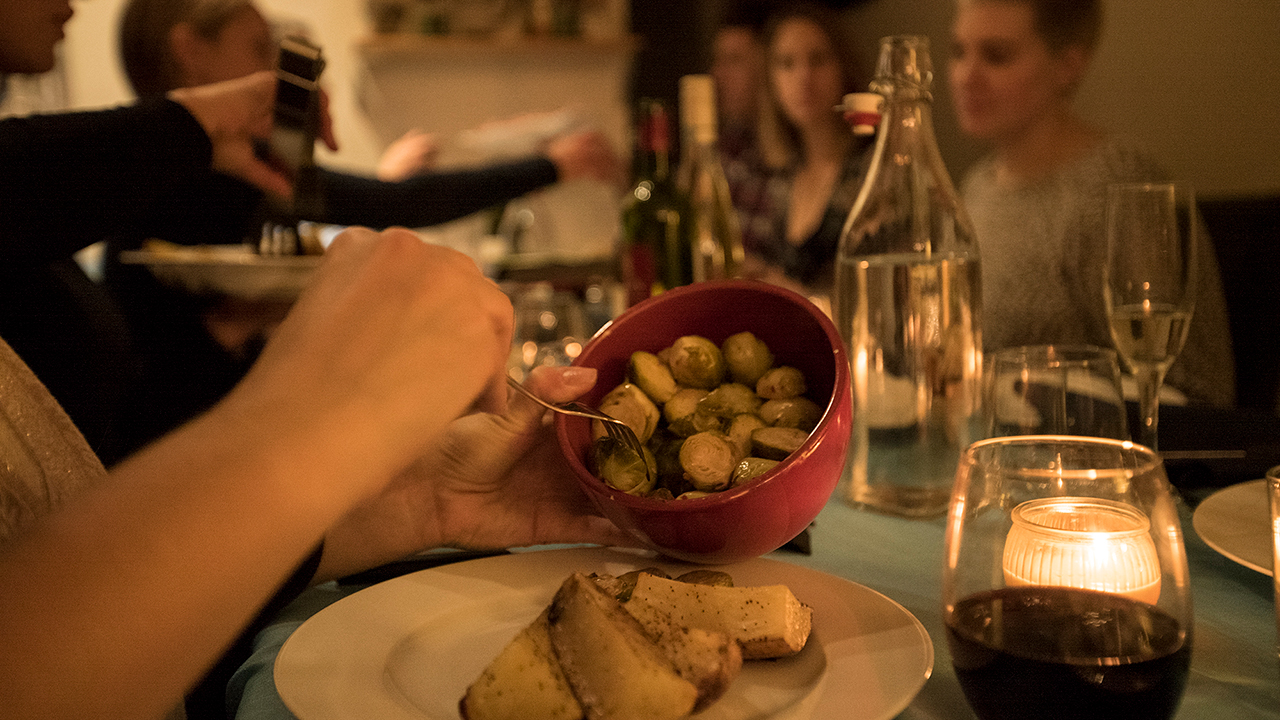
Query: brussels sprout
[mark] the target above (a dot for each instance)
(717, 578)
(708, 459)
(781, 382)
(693, 495)
(620, 467)
(683, 403)
(682, 416)
(625, 584)
(796, 412)
(629, 404)
(730, 400)
(740, 432)
(652, 376)
(696, 362)
(751, 468)
(747, 358)
(775, 443)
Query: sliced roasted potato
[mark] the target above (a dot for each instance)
(616, 670)
(767, 621)
(523, 681)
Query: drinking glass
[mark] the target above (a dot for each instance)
(550, 328)
(1065, 589)
(1054, 390)
(1149, 283)
(1273, 492)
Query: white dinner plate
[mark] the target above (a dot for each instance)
(232, 270)
(409, 647)
(1236, 521)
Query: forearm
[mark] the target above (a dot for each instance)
(431, 198)
(70, 179)
(152, 574)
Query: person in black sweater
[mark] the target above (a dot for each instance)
(129, 358)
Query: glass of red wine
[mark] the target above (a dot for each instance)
(1065, 588)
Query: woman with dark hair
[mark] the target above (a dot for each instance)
(1038, 201)
(160, 356)
(813, 165)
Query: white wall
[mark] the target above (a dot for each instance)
(1196, 81)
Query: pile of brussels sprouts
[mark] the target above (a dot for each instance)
(710, 418)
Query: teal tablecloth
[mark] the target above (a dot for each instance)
(1234, 670)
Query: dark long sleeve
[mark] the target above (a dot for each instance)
(431, 198)
(67, 180)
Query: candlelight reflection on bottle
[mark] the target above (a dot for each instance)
(1083, 543)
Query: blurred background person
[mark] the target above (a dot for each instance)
(738, 67)
(812, 164)
(130, 359)
(1038, 200)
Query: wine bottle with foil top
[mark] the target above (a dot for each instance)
(907, 304)
(715, 235)
(653, 251)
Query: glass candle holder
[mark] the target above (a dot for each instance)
(1083, 543)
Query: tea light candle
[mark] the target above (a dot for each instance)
(1083, 543)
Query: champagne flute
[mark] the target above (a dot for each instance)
(1065, 590)
(1149, 284)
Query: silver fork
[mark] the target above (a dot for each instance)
(278, 240)
(619, 431)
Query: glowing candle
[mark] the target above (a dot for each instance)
(1083, 543)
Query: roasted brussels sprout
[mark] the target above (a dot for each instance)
(710, 417)
(708, 459)
(781, 382)
(751, 468)
(683, 415)
(629, 404)
(794, 412)
(775, 443)
(730, 400)
(717, 578)
(620, 467)
(652, 375)
(740, 432)
(696, 362)
(747, 358)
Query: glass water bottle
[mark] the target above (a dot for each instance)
(907, 305)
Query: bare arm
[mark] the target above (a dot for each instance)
(153, 572)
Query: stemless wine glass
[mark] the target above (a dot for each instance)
(550, 328)
(1149, 283)
(1054, 390)
(1065, 589)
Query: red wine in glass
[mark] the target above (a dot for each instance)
(1057, 653)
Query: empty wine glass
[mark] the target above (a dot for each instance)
(1149, 282)
(1065, 589)
(1054, 390)
(550, 328)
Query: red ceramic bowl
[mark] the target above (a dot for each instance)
(762, 515)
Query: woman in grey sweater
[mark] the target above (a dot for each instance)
(1038, 201)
